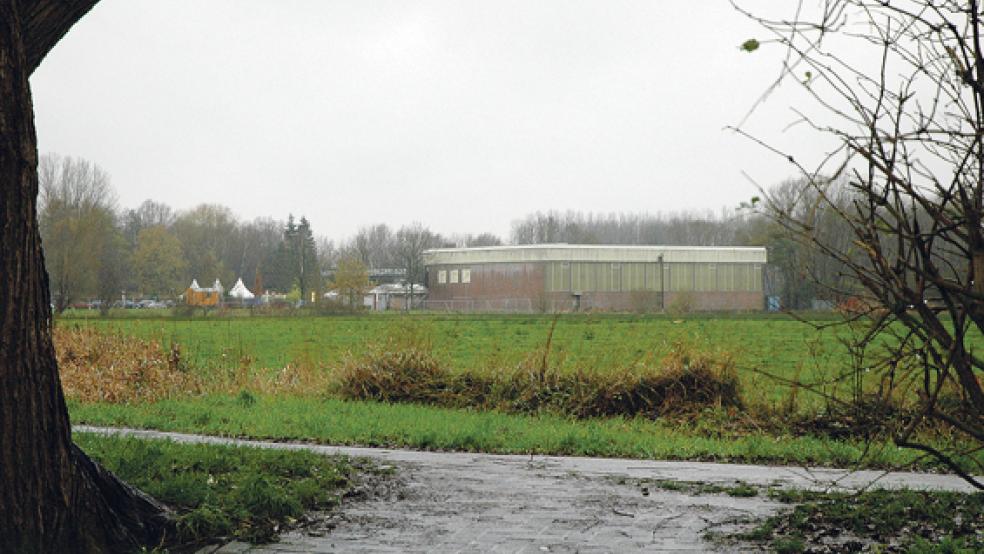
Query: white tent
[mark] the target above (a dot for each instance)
(240, 291)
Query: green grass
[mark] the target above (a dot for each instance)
(214, 346)
(771, 343)
(774, 343)
(471, 341)
(225, 491)
(378, 424)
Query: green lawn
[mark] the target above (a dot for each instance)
(757, 342)
(775, 344)
(335, 421)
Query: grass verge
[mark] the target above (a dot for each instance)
(877, 521)
(333, 421)
(221, 492)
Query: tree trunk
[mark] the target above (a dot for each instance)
(53, 498)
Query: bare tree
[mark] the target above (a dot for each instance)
(210, 238)
(114, 268)
(411, 241)
(148, 214)
(682, 228)
(469, 240)
(77, 219)
(257, 245)
(483, 239)
(374, 245)
(899, 86)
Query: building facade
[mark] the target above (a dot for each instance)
(566, 277)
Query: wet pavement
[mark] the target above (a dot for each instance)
(467, 502)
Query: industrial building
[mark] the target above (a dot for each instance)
(569, 277)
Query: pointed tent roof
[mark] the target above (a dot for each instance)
(239, 290)
(194, 285)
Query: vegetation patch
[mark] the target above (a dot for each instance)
(599, 342)
(98, 365)
(334, 421)
(682, 399)
(877, 521)
(225, 492)
(111, 367)
(682, 382)
(739, 489)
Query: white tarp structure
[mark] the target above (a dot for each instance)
(217, 287)
(240, 291)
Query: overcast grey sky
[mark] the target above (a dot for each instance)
(462, 115)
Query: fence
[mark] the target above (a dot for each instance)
(510, 305)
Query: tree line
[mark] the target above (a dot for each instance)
(95, 249)
(800, 274)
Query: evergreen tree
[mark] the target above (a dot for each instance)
(308, 270)
(295, 262)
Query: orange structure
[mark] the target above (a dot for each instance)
(203, 297)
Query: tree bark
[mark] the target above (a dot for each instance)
(53, 498)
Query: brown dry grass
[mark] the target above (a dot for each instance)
(110, 367)
(293, 379)
(684, 381)
(97, 366)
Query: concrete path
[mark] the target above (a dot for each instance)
(463, 502)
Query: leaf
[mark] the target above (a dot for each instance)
(750, 45)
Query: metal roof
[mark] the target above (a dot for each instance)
(594, 253)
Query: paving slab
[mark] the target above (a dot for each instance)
(468, 502)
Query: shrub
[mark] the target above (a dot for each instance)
(683, 382)
(409, 375)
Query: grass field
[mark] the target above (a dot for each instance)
(775, 344)
(226, 359)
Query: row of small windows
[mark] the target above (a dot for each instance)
(452, 276)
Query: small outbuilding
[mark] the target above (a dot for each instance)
(395, 296)
(205, 297)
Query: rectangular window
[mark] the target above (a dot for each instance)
(466, 276)
(454, 276)
(442, 277)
